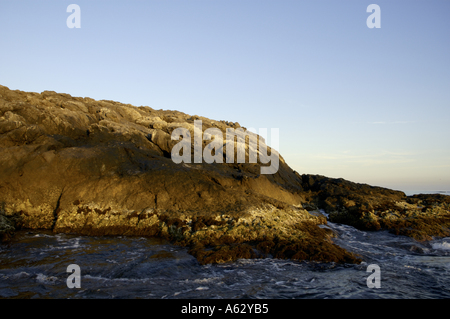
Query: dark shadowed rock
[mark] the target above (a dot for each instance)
(373, 208)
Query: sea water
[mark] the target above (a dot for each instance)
(34, 265)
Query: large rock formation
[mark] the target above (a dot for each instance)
(78, 165)
(373, 208)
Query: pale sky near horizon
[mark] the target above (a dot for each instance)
(368, 105)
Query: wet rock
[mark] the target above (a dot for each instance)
(373, 208)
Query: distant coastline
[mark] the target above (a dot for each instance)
(414, 192)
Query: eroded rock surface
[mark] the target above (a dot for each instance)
(78, 165)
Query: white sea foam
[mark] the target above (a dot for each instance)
(21, 274)
(322, 211)
(442, 246)
(43, 235)
(43, 279)
(202, 288)
(205, 280)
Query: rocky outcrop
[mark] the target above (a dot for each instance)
(78, 165)
(91, 167)
(373, 208)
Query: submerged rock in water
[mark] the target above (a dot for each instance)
(77, 165)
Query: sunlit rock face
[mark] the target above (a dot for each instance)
(78, 165)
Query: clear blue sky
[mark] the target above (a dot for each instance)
(368, 105)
